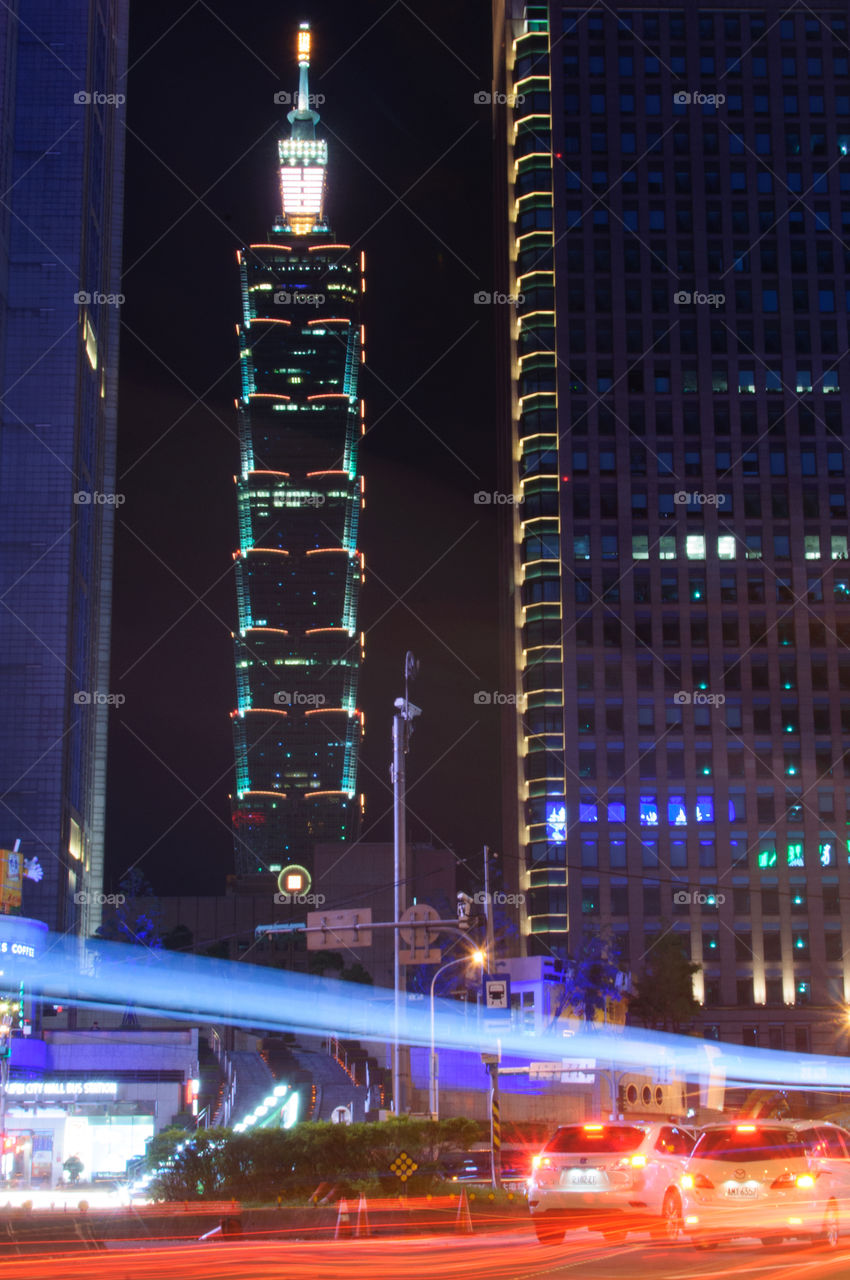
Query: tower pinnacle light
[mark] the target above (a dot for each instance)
(303, 157)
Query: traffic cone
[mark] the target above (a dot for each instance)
(343, 1222)
(463, 1221)
(362, 1228)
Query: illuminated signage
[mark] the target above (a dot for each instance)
(556, 824)
(61, 1088)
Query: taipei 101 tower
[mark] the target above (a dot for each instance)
(297, 727)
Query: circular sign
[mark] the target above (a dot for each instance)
(294, 880)
(418, 938)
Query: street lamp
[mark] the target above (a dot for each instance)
(477, 957)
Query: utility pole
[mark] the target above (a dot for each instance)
(490, 943)
(402, 728)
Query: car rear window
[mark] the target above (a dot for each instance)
(749, 1144)
(608, 1137)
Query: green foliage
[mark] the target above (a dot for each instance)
(263, 1164)
(664, 1000)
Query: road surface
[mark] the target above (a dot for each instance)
(506, 1256)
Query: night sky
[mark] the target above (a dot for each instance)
(410, 182)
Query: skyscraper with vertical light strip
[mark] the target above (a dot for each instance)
(297, 726)
(675, 195)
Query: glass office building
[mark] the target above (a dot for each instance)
(297, 726)
(675, 188)
(61, 174)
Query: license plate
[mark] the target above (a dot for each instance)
(583, 1178)
(742, 1191)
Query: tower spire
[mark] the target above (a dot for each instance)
(303, 119)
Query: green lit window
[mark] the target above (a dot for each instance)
(795, 855)
(767, 856)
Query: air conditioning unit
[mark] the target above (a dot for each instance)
(641, 1095)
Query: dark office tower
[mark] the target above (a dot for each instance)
(298, 570)
(61, 176)
(677, 204)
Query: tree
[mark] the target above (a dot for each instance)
(592, 978)
(664, 1000)
(136, 917)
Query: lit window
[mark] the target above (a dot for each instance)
(556, 824)
(767, 856)
(826, 853)
(587, 813)
(648, 811)
(811, 543)
(829, 382)
(705, 808)
(746, 382)
(640, 546)
(667, 547)
(726, 547)
(695, 546)
(676, 813)
(838, 542)
(617, 812)
(795, 855)
(804, 380)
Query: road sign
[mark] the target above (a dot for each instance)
(404, 1166)
(419, 940)
(339, 929)
(578, 1070)
(544, 1070)
(497, 996)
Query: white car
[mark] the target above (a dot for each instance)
(771, 1179)
(611, 1177)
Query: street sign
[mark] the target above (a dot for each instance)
(339, 929)
(544, 1070)
(419, 949)
(578, 1070)
(497, 997)
(404, 1166)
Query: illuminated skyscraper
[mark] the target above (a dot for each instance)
(297, 728)
(676, 198)
(62, 68)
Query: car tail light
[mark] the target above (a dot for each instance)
(538, 1162)
(699, 1180)
(593, 1128)
(745, 1128)
(632, 1162)
(805, 1181)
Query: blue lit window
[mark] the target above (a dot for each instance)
(617, 812)
(556, 823)
(587, 813)
(648, 811)
(676, 813)
(705, 808)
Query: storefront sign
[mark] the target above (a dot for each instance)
(61, 1088)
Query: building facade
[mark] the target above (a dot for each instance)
(676, 227)
(297, 726)
(62, 93)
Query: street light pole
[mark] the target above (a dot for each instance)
(405, 712)
(433, 1078)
